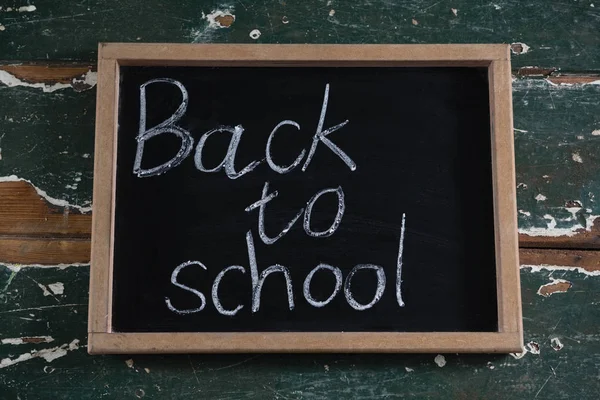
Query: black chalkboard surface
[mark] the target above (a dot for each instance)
(419, 144)
(355, 204)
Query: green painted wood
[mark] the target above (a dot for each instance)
(47, 138)
(558, 34)
(569, 373)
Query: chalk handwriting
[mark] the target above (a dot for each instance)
(167, 126)
(275, 167)
(337, 273)
(378, 292)
(338, 216)
(174, 274)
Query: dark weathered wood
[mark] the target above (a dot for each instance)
(562, 35)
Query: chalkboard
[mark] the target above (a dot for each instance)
(303, 199)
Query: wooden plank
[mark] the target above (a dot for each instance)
(542, 33)
(25, 212)
(46, 251)
(585, 260)
(48, 73)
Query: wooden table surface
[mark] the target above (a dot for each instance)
(47, 107)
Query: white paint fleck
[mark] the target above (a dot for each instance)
(129, 363)
(518, 356)
(440, 360)
(454, 11)
(553, 282)
(576, 157)
(36, 339)
(27, 9)
(49, 354)
(2, 28)
(48, 369)
(147, 370)
(89, 80)
(409, 369)
(556, 344)
(331, 12)
(42, 193)
(255, 34)
(520, 130)
(525, 213)
(596, 132)
(285, 20)
(555, 268)
(497, 7)
(524, 48)
(522, 186)
(541, 197)
(326, 368)
(44, 289)
(580, 137)
(57, 288)
(86, 155)
(490, 365)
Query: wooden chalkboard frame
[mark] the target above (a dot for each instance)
(496, 57)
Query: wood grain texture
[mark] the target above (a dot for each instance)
(586, 260)
(44, 251)
(25, 213)
(53, 73)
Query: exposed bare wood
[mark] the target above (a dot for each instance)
(58, 73)
(24, 213)
(49, 251)
(588, 260)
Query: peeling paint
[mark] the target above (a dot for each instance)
(409, 369)
(28, 340)
(129, 363)
(552, 231)
(454, 11)
(540, 197)
(555, 286)
(49, 354)
(15, 268)
(42, 193)
(440, 360)
(577, 158)
(553, 268)
(596, 132)
(86, 82)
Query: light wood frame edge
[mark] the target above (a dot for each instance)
(496, 57)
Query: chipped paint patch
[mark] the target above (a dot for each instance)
(540, 197)
(518, 356)
(553, 268)
(44, 289)
(217, 19)
(48, 198)
(596, 132)
(525, 213)
(409, 369)
(49, 354)
(28, 340)
(415, 22)
(519, 48)
(331, 12)
(533, 347)
(440, 360)
(129, 363)
(577, 158)
(555, 286)
(85, 82)
(2, 28)
(556, 344)
(255, 34)
(454, 11)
